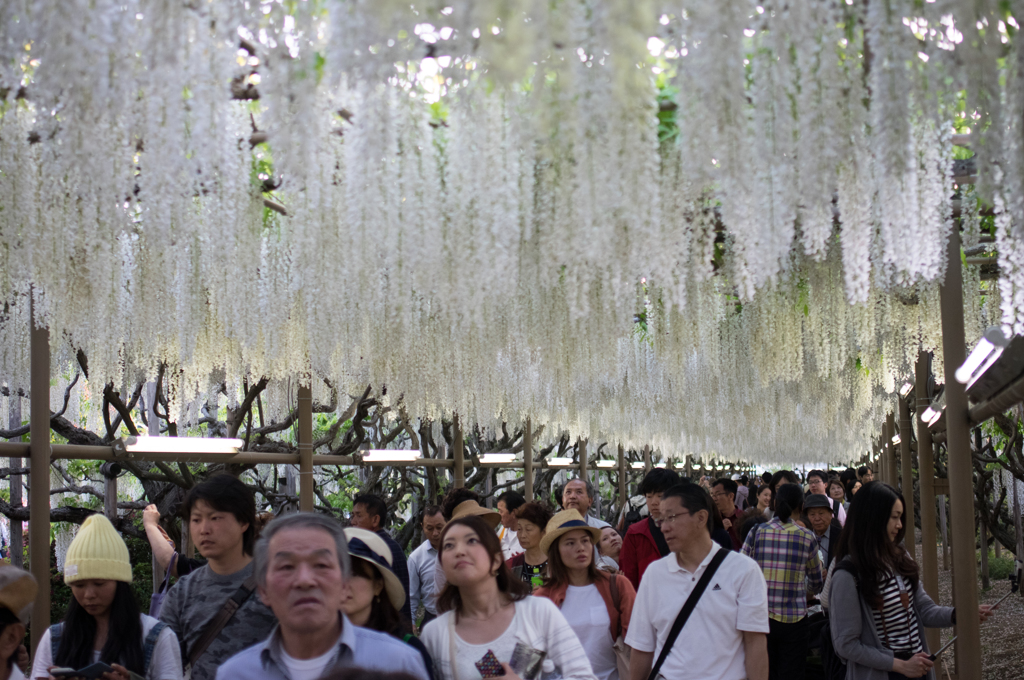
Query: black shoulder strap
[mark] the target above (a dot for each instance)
(659, 538)
(684, 613)
(217, 623)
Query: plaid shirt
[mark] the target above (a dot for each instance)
(788, 556)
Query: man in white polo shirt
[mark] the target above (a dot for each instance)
(725, 635)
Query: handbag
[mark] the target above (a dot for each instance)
(688, 607)
(622, 650)
(156, 600)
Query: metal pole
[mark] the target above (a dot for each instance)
(528, 460)
(583, 458)
(926, 477)
(39, 477)
(961, 468)
(622, 479)
(982, 524)
(457, 454)
(944, 527)
(647, 458)
(17, 538)
(306, 495)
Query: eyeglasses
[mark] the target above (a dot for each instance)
(672, 518)
(718, 495)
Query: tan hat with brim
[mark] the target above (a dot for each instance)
(17, 592)
(471, 507)
(371, 548)
(564, 522)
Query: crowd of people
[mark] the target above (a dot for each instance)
(722, 579)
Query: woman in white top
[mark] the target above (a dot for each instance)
(483, 608)
(103, 622)
(597, 605)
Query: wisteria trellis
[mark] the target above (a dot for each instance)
(482, 240)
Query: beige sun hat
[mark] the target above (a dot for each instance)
(17, 592)
(564, 522)
(471, 507)
(371, 548)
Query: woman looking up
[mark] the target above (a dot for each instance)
(531, 565)
(596, 604)
(103, 621)
(878, 609)
(483, 611)
(610, 545)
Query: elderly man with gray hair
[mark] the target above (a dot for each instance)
(301, 566)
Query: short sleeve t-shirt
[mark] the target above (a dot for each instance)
(736, 601)
(587, 614)
(195, 600)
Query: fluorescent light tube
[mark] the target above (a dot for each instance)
(182, 445)
(606, 463)
(390, 456)
(497, 457)
(637, 465)
(559, 461)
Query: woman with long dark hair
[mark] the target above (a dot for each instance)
(374, 596)
(103, 621)
(878, 609)
(484, 612)
(788, 557)
(596, 604)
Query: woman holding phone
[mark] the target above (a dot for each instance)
(103, 626)
(485, 614)
(878, 609)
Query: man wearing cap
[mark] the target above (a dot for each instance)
(817, 483)
(819, 518)
(17, 592)
(301, 566)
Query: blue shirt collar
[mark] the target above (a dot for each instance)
(345, 646)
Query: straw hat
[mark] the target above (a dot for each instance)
(98, 552)
(17, 593)
(564, 522)
(471, 507)
(372, 549)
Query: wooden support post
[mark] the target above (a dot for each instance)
(906, 462)
(458, 453)
(647, 458)
(17, 538)
(961, 467)
(528, 460)
(982, 524)
(622, 481)
(153, 430)
(39, 476)
(110, 497)
(1019, 554)
(926, 477)
(892, 473)
(306, 496)
(583, 458)
(997, 546)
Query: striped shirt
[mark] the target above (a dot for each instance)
(788, 556)
(897, 625)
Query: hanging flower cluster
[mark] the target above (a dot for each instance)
(649, 221)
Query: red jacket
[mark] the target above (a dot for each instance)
(638, 551)
(627, 595)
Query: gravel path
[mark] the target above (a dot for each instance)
(1002, 645)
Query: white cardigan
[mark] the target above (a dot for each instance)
(541, 626)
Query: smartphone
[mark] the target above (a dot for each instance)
(92, 672)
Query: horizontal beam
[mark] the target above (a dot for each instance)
(106, 453)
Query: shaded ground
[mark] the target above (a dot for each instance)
(1002, 637)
